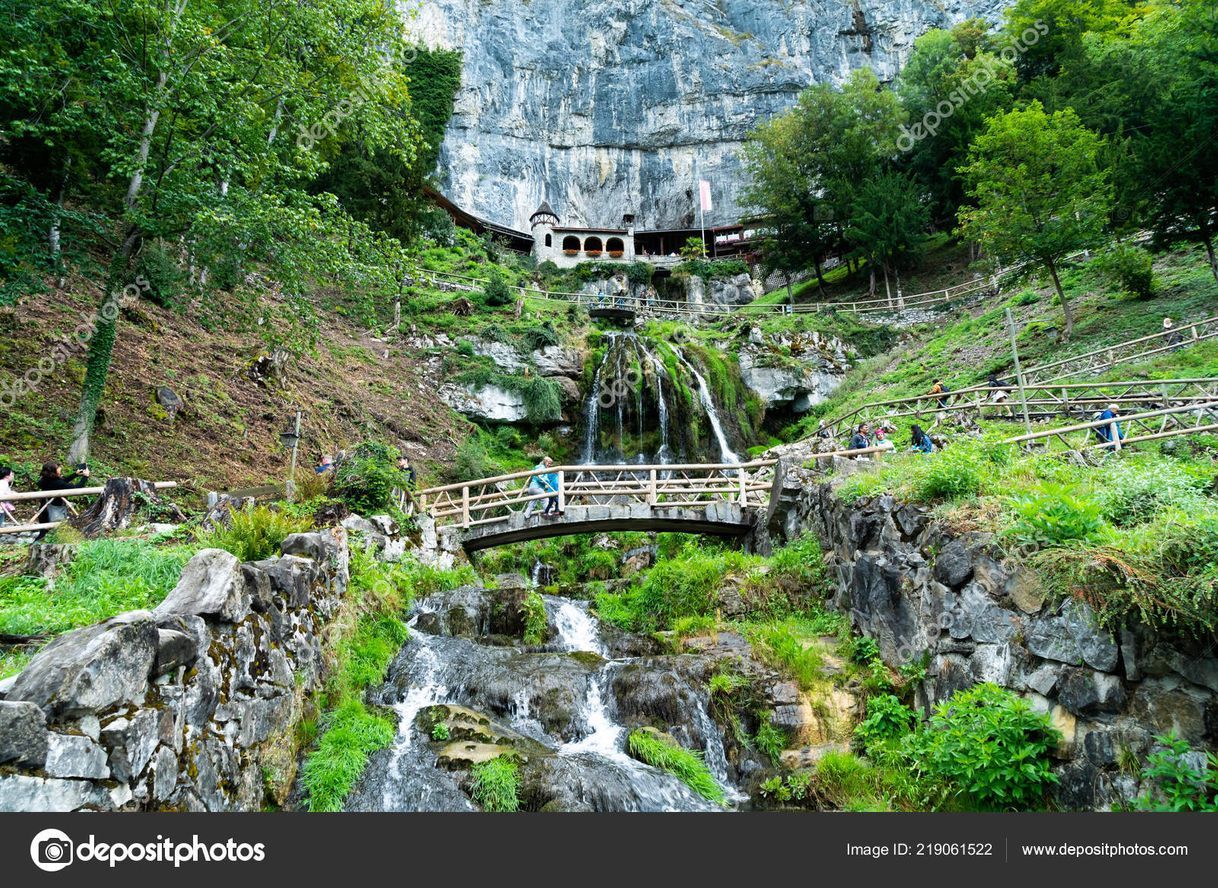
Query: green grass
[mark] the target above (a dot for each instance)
(106, 578)
(535, 625)
(660, 751)
(495, 785)
(12, 662)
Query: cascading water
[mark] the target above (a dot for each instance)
(632, 393)
(726, 454)
(562, 699)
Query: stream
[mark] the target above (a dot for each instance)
(567, 706)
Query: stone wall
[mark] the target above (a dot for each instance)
(187, 707)
(922, 590)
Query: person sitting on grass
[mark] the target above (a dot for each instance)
(919, 441)
(883, 441)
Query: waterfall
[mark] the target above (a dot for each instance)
(664, 454)
(726, 454)
(593, 408)
(576, 628)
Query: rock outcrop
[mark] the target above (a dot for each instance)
(922, 591)
(793, 372)
(609, 108)
(186, 707)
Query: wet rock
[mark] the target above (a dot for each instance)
(212, 584)
(91, 668)
(23, 734)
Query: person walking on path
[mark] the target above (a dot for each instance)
(1174, 340)
(998, 394)
(1111, 433)
(941, 391)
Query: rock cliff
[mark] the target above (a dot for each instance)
(608, 108)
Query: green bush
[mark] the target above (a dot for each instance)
(1130, 268)
(542, 400)
(1134, 491)
(107, 577)
(954, 473)
(1051, 514)
(495, 785)
(497, 291)
(254, 534)
(366, 479)
(440, 732)
(661, 751)
(540, 336)
(888, 719)
(1178, 785)
(988, 744)
(771, 740)
(535, 624)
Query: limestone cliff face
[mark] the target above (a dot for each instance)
(620, 106)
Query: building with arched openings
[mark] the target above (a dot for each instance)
(567, 246)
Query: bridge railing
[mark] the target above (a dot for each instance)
(34, 525)
(1122, 431)
(492, 500)
(1045, 401)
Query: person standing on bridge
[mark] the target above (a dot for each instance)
(542, 481)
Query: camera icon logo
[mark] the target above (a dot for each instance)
(51, 850)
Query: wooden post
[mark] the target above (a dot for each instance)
(291, 485)
(562, 492)
(744, 487)
(1023, 395)
(465, 506)
(653, 492)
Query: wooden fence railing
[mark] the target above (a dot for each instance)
(1152, 425)
(34, 525)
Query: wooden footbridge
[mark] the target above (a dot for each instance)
(718, 499)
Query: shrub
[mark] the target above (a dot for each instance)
(542, 400)
(1178, 783)
(254, 534)
(771, 740)
(535, 624)
(1134, 491)
(888, 719)
(440, 732)
(366, 479)
(106, 577)
(352, 734)
(990, 745)
(1131, 268)
(495, 784)
(1051, 514)
(540, 336)
(661, 751)
(955, 473)
(497, 291)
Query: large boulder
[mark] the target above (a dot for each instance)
(92, 668)
(488, 403)
(212, 585)
(1070, 634)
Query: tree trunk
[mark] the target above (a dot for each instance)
(1208, 240)
(871, 290)
(115, 507)
(887, 285)
(786, 277)
(820, 277)
(1068, 330)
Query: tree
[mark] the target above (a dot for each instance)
(806, 165)
(1064, 25)
(1039, 189)
(888, 222)
(170, 117)
(954, 81)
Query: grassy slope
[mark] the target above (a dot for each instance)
(963, 348)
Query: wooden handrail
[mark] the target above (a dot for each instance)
(1097, 423)
(71, 491)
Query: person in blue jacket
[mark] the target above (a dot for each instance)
(919, 441)
(1106, 432)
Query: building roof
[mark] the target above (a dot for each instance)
(544, 210)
